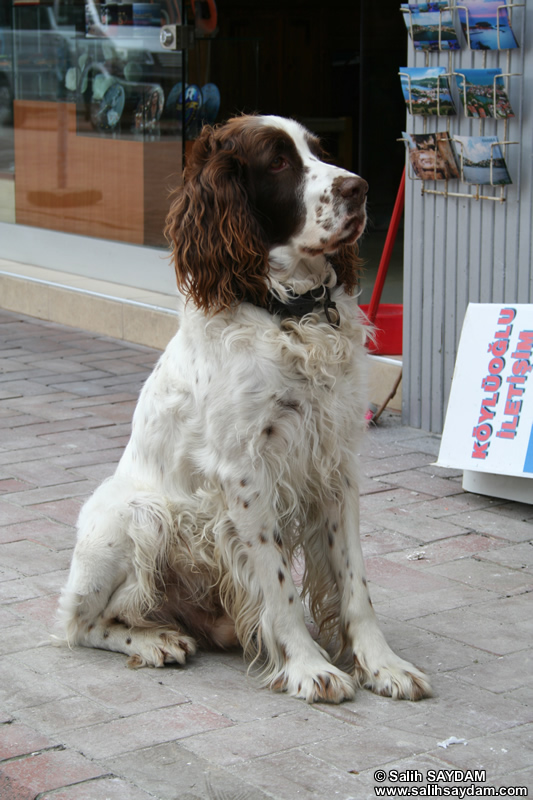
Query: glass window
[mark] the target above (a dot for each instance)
(7, 144)
(96, 123)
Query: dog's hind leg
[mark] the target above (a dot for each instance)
(112, 585)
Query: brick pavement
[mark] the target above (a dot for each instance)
(449, 572)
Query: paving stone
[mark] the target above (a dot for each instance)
(524, 695)
(521, 778)
(56, 659)
(42, 584)
(437, 723)
(26, 388)
(412, 522)
(496, 524)
(173, 773)
(9, 418)
(17, 739)
(478, 707)
(518, 511)
(402, 577)
(371, 486)
(77, 460)
(13, 485)
(32, 558)
(418, 764)
(391, 498)
(27, 454)
(501, 674)
(296, 774)
(519, 556)
(510, 608)
(442, 472)
(371, 710)
(99, 789)
(411, 605)
(49, 494)
(14, 589)
(483, 573)
(226, 690)
(24, 778)
(405, 635)
(469, 626)
(385, 466)
(11, 513)
(7, 617)
(118, 412)
(66, 511)
(39, 609)
(496, 753)
(123, 691)
(379, 542)
(457, 504)
(69, 713)
(146, 729)
(86, 422)
(22, 687)
(18, 637)
(443, 550)
(264, 736)
(445, 655)
(43, 531)
(419, 481)
(362, 749)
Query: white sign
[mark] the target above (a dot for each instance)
(489, 422)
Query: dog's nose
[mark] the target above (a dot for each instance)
(354, 187)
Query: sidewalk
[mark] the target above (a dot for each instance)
(449, 574)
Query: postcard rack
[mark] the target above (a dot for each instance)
(444, 42)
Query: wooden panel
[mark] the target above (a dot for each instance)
(162, 174)
(458, 251)
(96, 186)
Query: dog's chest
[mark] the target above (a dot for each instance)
(319, 410)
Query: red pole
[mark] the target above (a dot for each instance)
(387, 251)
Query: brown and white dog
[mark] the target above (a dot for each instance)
(244, 446)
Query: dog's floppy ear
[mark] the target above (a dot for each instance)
(347, 266)
(218, 247)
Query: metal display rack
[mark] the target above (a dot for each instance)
(478, 189)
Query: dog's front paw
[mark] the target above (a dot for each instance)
(155, 647)
(392, 677)
(322, 685)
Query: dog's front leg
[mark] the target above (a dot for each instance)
(376, 666)
(267, 609)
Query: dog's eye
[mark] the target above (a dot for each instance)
(278, 164)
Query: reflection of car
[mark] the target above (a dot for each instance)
(54, 52)
(43, 46)
(6, 67)
(6, 91)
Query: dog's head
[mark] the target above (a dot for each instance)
(251, 185)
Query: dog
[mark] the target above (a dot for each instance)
(243, 451)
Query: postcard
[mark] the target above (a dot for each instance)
(426, 91)
(431, 156)
(481, 160)
(486, 25)
(430, 26)
(482, 93)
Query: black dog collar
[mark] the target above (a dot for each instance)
(301, 304)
